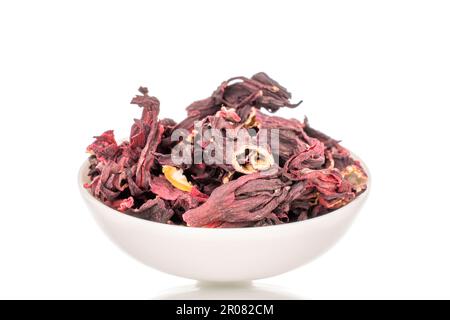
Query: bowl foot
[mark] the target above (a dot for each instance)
(224, 285)
(227, 291)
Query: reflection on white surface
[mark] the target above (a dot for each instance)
(228, 291)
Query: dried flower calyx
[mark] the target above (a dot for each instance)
(244, 179)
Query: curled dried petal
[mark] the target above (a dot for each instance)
(249, 198)
(154, 210)
(318, 175)
(104, 147)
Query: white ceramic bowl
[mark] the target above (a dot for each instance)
(222, 255)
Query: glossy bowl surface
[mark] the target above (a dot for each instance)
(222, 255)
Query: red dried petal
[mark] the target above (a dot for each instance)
(104, 147)
(249, 198)
(318, 174)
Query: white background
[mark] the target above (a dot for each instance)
(375, 74)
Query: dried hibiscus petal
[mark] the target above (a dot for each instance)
(248, 199)
(104, 147)
(258, 183)
(149, 120)
(154, 210)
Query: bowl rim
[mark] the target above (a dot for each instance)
(89, 197)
